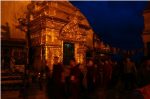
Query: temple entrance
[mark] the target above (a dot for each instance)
(68, 52)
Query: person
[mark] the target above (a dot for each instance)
(66, 78)
(57, 78)
(47, 70)
(90, 75)
(75, 74)
(145, 73)
(100, 73)
(107, 73)
(115, 74)
(48, 81)
(129, 74)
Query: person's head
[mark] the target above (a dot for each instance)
(115, 62)
(90, 62)
(72, 62)
(106, 61)
(128, 59)
(56, 59)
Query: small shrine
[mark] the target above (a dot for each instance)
(58, 29)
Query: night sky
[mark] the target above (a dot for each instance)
(119, 24)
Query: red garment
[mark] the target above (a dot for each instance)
(75, 82)
(108, 70)
(145, 91)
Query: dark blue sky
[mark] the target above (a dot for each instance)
(118, 23)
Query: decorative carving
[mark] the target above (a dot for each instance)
(71, 31)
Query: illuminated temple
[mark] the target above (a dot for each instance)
(58, 29)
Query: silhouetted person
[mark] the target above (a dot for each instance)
(75, 75)
(57, 79)
(99, 73)
(67, 83)
(48, 81)
(90, 75)
(145, 73)
(81, 77)
(107, 72)
(116, 72)
(129, 74)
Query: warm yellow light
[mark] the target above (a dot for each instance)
(46, 53)
(52, 35)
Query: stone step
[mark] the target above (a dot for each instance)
(11, 81)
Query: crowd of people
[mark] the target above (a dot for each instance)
(71, 82)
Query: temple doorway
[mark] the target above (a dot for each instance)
(68, 52)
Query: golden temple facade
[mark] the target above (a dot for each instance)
(58, 29)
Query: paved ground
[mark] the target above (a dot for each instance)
(99, 94)
(34, 92)
(16, 95)
(41, 95)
